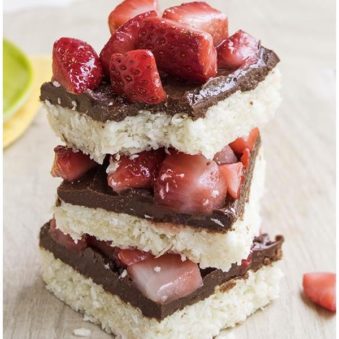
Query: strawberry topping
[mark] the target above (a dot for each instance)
(225, 156)
(201, 16)
(246, 157)
(190, 184)
(135, 171)
(124, 39)
(232, 173)
(321, 289)
(239, 145)
(70, 165)
(76, 65)
(135, 75)
(179, 50)
(238, 49)
(132, 256)
(127, 10)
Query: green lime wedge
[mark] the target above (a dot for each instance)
(17, 79)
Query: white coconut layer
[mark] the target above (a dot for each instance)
(209, 249)
(202, 320)
(224, 122)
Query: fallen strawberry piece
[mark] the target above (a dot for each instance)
(127, 10)
(232, 173)
(190, 184)
(70, 165)
(239, 145)
(123, 39)
(179, 50)
(225, 156)
(132, 256)
(238, 49)
(135, 171)
(246, 157)
(76, 65)
(321, 289)
(166, 278)
(201, 16)
(135, 75)
(65, 239)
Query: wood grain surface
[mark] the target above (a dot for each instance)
(299, 146)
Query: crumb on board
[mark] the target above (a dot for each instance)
(82, 332)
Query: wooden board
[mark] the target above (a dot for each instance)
(299, 147)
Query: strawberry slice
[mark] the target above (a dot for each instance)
(70, 165)
(239, 145)
(179, 50)
(166, 278)
(225, 156)
(65, 239)
(123, 39)
(238, 49)
(246, 157)
(321, 289)
(135, 75)
(132, 256)
(232, 173)
(127, 10)
(190, 184)
(201, 16)
(76, 65)
(136, 171)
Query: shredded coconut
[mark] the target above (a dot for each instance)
(157, 269)
(123, 274)
(56, 83)
(82, 332)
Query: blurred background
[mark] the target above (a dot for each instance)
(299, 147)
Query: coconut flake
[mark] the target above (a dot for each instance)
(218, 222)
(82, 332)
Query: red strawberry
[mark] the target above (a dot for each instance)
(239, 145)
(132, 256)
(123, 39)
(135, 75)
(70, 165)
(321, 289)
(246, 157)
(179, 50)
(136, 171)
(76, 65)
(201, 16)
(65, 239)
(127, 10)
(225, 156)
(233, 174)
(238, 49)
(189, 184)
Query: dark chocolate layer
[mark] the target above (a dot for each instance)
(105, 272)
(187, 98)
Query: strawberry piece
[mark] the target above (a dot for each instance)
(135, 75)
(76, 65)
(321, 289)
(136, 171)
(239, 145)
(225, 156)
(166, 278)
(246, 157)
(232, 173)
(65, 239)
(132, 256)
(70, 165)
(127, 10)
(190, 184)
(179, 50)
(201, 16)
(124, 39)
(238, 49)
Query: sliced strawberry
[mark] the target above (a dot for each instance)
(70, 165)
(76, 65)
(246, 157)
(238, 49)
(239, 145)
(166, 278)
(132, 256)
(127, 10)
(201, 16)
(233, 174)
(179, 50)
(321, 289)
(135, 75)
(65, 239)
(189, 184)
(136, 171)
(123, 39)
(225, 156)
